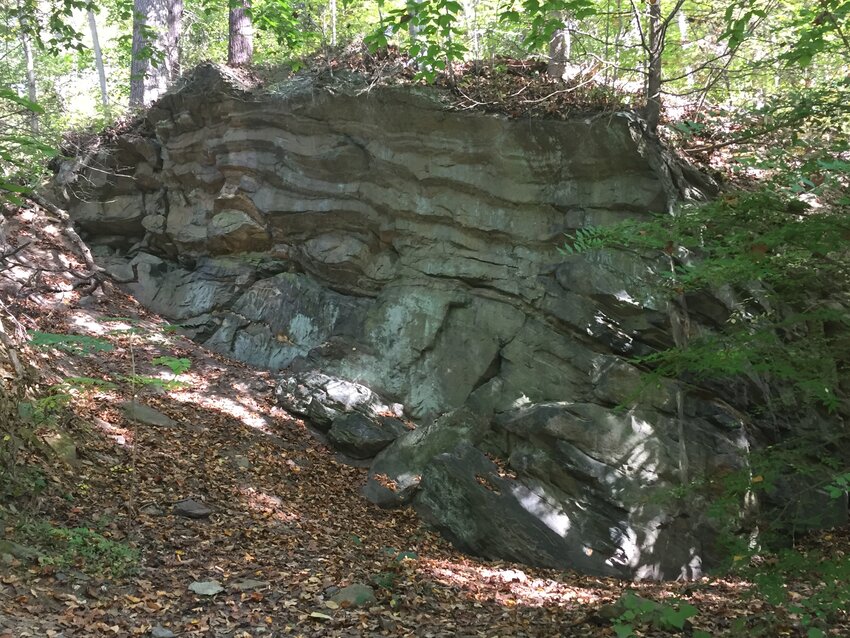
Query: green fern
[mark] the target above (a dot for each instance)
(83, 383)
(74, 344)
(177, 366)
(165, 384)
(585, 240)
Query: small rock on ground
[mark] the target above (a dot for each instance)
(146, 415)
(190, 508)
(206, 587)
(356, 595)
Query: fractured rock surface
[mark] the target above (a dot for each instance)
(399, 260)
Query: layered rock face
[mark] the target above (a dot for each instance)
(399, 263)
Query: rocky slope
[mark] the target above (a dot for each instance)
(399, 263)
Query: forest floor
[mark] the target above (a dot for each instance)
(99, 551)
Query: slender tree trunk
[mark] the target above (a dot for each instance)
(140, 60)
(174, 25)
(413, 28)
(559, 54)
(683, 35)
(155, 59)
(333, 23)
(615, 72)
(29, 61)
(653, 83)
(240, 49)
(98, 62)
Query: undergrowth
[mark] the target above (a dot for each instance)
(781, 272)
(83, 548)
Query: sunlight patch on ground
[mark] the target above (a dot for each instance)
(120, 436)
(94, 323)
(250, 417)
(506, 586)
(268, 505)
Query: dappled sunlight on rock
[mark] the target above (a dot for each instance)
(553, 517)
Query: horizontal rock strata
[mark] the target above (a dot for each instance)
(399, 262)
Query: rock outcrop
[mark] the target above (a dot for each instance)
(397, 260)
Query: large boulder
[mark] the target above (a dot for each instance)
(361, 437)
(400, 259)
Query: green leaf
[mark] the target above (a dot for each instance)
(76, 344)
(177, 366)
(623, 631)
(12, 96)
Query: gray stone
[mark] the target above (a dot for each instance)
(233, 231)
(190, 508)
(361, 437)
(396, 472)
(16, 550)
(146, 415)
(63, 446)
(322, 398)
(248, 584)
(356, 595)
(206, 587)
(461, 489)
(159, 631)
(241, 462)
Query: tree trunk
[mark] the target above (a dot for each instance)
(559, 54)
(333, 23)
(240, 49)
(683, 34)
(155, 57)
(174, 24)
(413, 28)
(98, 62)
(29, 61)
(653, 83)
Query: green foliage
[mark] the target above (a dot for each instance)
(176, 365)
(171, 328)
(44, 410)
(284, 20)
(828, 586)
(79, 547)
(70, 384)
(585, 240)
(784, 262)
(545, 17)
(818, 29)
(21, 153)
(74, 344)
(385, 580)
(635, 611)
(155, 382)
(18, 481)
(839, 486)
(436, 40)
